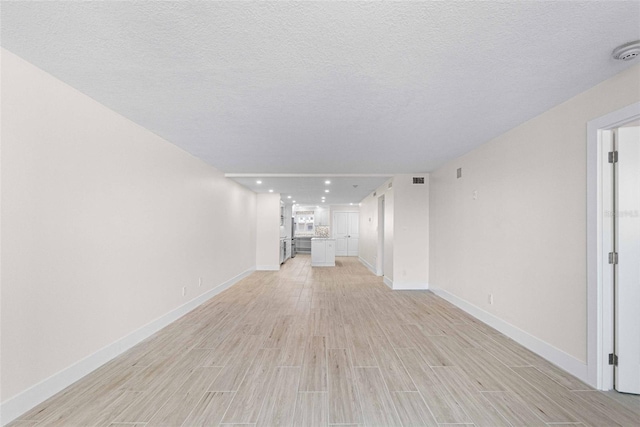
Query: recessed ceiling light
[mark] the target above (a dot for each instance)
(327, 182)
(326, 191)
(270, 191)
(258, 182)
(288, 197)
(294, 201)
(323, 201)
(350, 204)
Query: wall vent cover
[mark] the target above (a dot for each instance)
(418, 179)
(390, 185)
(459, 173)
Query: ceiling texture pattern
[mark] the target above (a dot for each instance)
(324, 87)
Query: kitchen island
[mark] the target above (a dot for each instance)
(323, 252)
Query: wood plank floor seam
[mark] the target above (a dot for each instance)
(323, 347)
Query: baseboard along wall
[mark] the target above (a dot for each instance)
(554, 355)
(33, 396)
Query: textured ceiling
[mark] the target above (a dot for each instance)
(313, 189)
(324, 87)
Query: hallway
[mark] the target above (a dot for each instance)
(313, 347)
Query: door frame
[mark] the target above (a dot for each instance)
(599, 312)
(380, 256)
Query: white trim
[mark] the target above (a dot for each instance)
(599, 314)
(388, 282)
(409, 286)
(307, 175)
(554, 355)
(381, 207)
(267, 268)
(369, 266)
(323, 264)
(17, 405)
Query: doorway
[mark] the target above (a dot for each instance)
(624, 254)
(613, 245)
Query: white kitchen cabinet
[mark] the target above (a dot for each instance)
(321, 217)
(304, 221)
(323, 252)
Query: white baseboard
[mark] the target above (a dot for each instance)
(17, 405)
(388, 282)
(410, 286)
(369, 266)
(402, 286)
(554, 355)
(267, 268)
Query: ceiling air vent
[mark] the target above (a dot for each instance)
(418, 179)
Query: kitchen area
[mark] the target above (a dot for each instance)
(311, 235)
(323, 232)
(326, 218)
(305, 230)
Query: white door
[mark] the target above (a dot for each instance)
(627, 276)
(346, 231)
(340, 232)
(354, 234)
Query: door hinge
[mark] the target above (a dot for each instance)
(613, 257)
(613, 157)
(613, 359)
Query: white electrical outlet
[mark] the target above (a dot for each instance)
(184, 291)
(475, 194)
(490, 299)
(199, 281)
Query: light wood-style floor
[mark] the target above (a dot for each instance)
(322, 346)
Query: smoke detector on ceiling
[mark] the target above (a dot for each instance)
(627, 51)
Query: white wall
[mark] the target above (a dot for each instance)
(268, 231)
(368, 244)
(410, 232)
(524, 238)
(406, 232)
(368, 221)
(389, 231)
(342, 208)
(103, 223)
